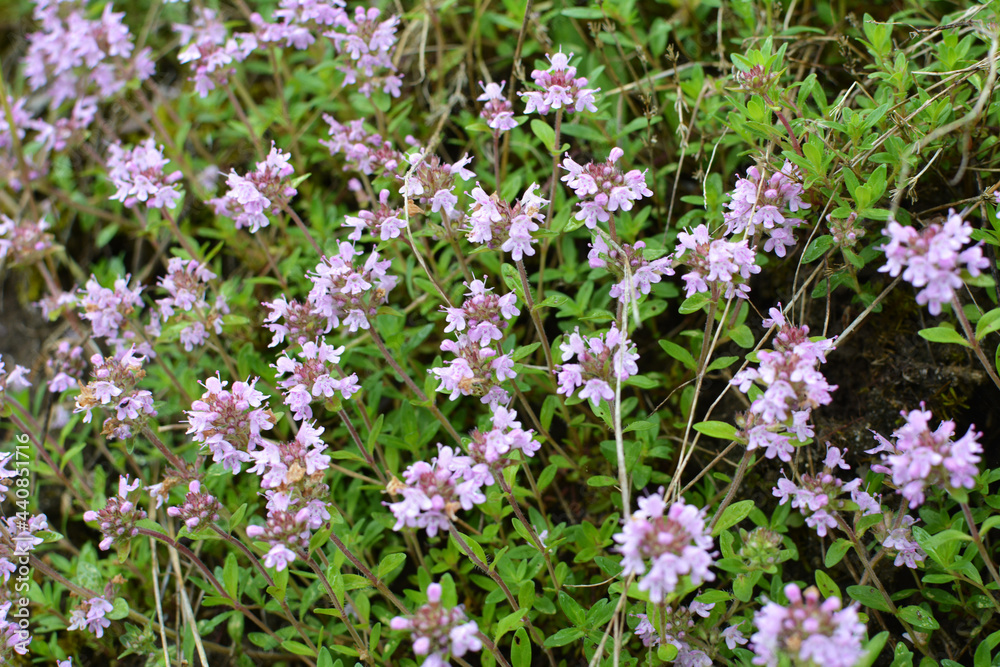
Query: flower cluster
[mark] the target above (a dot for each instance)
(758, 203)
(118, 517)
(301, 324)
(137, 173)
(438, 632)
(267, 188)
(674, 540)
(489, 449)
(230, 423)
(897, 537)
(432, 184)
(186, 284)
(14, 379)
(845, 231)
(677, 623)
(22, 533)
(807, 632)
(497, 111)
(629, 266)
(478, 366)
(200, 508)
(25, 242)
(560, 87)
(294, 22)
(316, 376)
(363, 152)
(603, 188)
(368, 42)
(601, 360)
(292, 478)
(106, 309)
(933, 259)
(207, 44)
(817, 497)
(433, 492)
(507, 226)
(12, 638)
(72, 55)
(921, 458)
(344, 290)
(384, 223)
(793, 387)
(761, 549)
(91, 615)
(65, 365)
(115, 384)
(716, 265)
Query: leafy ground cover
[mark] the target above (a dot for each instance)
(499, 333)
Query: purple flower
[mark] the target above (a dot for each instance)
(118, 517)
(364, 152)
(642, 273)
(603, 188)
(229, 423)
(316, 376)
(921, 458)
(764, 204)
(507, 226)
(433, 492)
(602, 360)
(200, 509)
(266, 189)
(674, 540)
(368, 43)
(717, 266)
(933, 259)
(347, 290)
(115, 385)
(497, 111)
(807, 632)
(138, 175)
(211, 50)
(91, 616)
(438, 632)
(24, 242)
(560, 88)
(106, 309)
(385, 223)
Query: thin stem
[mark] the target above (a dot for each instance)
(362, 648)
(529, 527)
(246, 121)
(174, 460)
(530, 303)
(978, 540)
(494, 649)
(369, 575)
(973, 343)
(784, 121)
(361, 445)
(194, 254)
(733, 487)
(302, 226)
(412, 385)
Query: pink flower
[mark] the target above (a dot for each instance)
(266, 189)
(717, 266)
(138, 175)
(438, 632)
(601, 361)
(560, 88)
(807, 631)
(497, 111)
(674, 541)
(603, 188)
(933, 259)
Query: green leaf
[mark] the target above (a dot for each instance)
(231, 575)
(943, 335)
(390, 563)
(873, 647)
(826, 585)
(679, 353)
(694, 303)
(988, 323)
(574, 612)
(119, 610)
(715, 429)
(836, 552)
(667, 652)
(508, 623)
(868, 596)
(563, 637)
(544, 132)
(918, 617)
(817, 248)
(520, 649)
(297, 648)
(721, 362)
(588, 13)
(742, 336)
(732, 515)
(601, 480)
